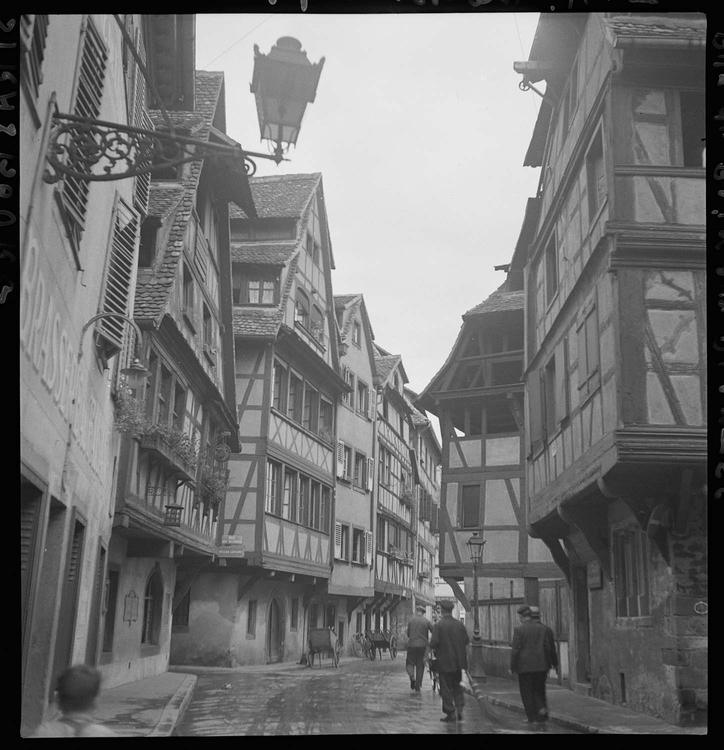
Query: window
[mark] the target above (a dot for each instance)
(289, 497)
(149, 236)
(570, 99)
(347, 463)
(251, 618)
(551, 261)
(326, 424)
(303, 516)
(359, 540)
(187, 298)
(325, 510)
(280, 386)
(294, 400)
(357, 333)
(119, 282)
(360, 470)
(470, 506)
(348, 397)
(179, 406)
(294, 614)
(363, 398)
(33, 31)
(381, 533)
(255, 286)
(596, 176)
(341, 541)
(549, 396)
(630, 563)
(588, 374)
(208, 331)
(152, 609)
(317, 324)
(693, 128)
(385, 408)
(273, 501)
(74, 193)
(311, 408)
(315, 514)
(301, 310)
(164, 396)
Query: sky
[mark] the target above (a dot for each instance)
(419, 130)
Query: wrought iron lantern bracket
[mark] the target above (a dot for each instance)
(100, 151)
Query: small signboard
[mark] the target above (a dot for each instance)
(595, 578)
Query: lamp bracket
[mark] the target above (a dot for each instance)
(100, 151)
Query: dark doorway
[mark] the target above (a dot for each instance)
(275, 633)
(580, 609)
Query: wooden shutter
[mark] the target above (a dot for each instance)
(120, 277)
(534, 408)
(29, 522)
(370, 473)
(370, 544)
(88, 105)
(337, 539)
(561, 385)
(340, 459)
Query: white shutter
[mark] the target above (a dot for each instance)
(370, 473)
(340, 459)
(370, 548)
(337, 540)
(120, 277)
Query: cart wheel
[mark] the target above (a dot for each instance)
(393, 648)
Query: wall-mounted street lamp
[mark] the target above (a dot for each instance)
(475, 547)
(90, 150)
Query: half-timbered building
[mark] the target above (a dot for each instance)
(615, 358)
(172, 466)
(352, 577)
(276, 529)
(478, 397)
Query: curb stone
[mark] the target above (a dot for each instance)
(175, 709)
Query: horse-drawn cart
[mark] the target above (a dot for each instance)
(323, 641)
(381, 640)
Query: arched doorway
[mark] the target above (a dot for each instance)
(275, 632)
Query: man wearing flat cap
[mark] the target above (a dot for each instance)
(449, 641)
(532, 656)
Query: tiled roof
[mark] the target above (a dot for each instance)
(280, 196)
(342, 300)
(385, 365)
(498, 301)
(276, 254)
(252, 322)
(163, 199)
(152, 289)
(659, 26)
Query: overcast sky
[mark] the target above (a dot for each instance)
(419, 130)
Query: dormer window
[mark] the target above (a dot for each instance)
(149, 236)
(255, 286)
(357, 333)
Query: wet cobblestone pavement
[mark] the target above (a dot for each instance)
(360, 697)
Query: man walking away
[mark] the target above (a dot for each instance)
(76, 693)
(449, 641)
(417, 629)
(532, 656)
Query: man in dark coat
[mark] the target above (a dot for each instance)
(532, 656)
(449, 641)
(418, 628)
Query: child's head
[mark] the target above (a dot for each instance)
(78, 687)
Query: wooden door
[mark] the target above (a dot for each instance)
(275, 633)
(581, 623)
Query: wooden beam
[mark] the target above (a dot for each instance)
(184, 585)
(592, 522)
(559, 555)
(459, 593)
(242, 588)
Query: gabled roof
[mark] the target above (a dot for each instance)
(343, 300)
(500, 300)
(348, 305)
(153, 289)
(280, 196)
(263, 253)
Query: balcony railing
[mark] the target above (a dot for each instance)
(172, 450)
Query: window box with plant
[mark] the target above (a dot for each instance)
(211, 487)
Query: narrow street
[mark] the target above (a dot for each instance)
(360, 697)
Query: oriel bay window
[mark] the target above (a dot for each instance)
(255, 285)
(302, 402)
